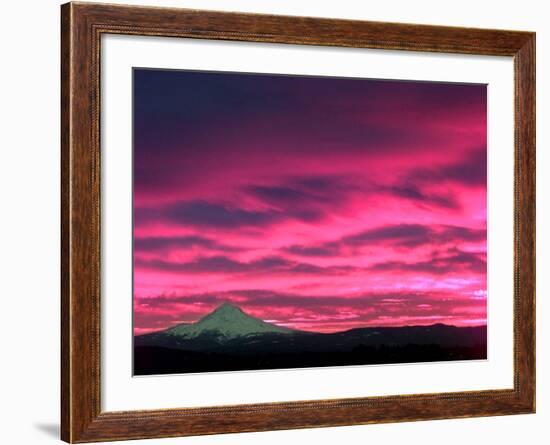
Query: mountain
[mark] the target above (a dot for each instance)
(229, 339)
(226, 322)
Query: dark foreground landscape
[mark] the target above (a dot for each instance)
(227, 339)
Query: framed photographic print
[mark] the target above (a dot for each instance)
(283, 222)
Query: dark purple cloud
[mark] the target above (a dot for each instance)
(223, 264)
(438, 264)
(155, 243)
(414, 193)
(400, 235)
(470, 171)
(222, 216)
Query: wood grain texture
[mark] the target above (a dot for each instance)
(81, 28)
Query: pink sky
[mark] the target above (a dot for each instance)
(314, 203)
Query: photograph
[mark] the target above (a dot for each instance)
(290, 221)
(280, 219)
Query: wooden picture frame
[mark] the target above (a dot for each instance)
(82, 25)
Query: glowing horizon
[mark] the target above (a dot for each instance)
(320, 204)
